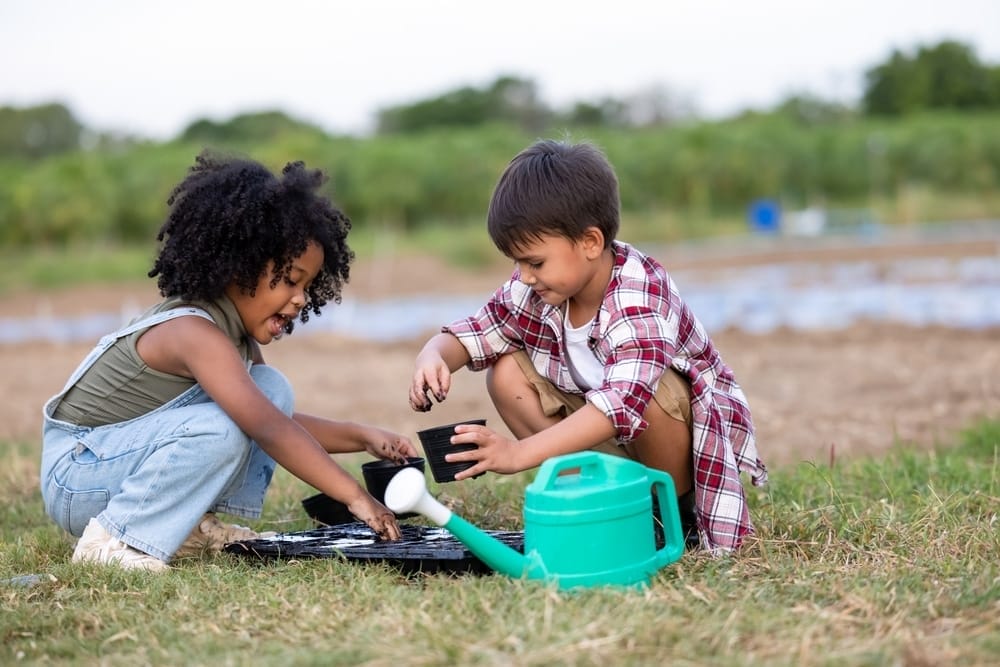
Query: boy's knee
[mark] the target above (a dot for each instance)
(507, 383)
(275, 386)
(503, 372)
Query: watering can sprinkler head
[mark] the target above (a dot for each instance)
(407, 492)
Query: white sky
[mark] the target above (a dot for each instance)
(153, 67)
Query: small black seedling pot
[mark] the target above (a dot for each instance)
(378, 473)
(437, 444)
(327, 511)
(323, 509)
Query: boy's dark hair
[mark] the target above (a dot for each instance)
(231, 216)
(553, 188)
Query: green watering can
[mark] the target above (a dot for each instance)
(588, 521)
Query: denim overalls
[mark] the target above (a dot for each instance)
(150, 479)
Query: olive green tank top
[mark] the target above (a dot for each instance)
(120, 386)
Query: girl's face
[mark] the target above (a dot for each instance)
(268, 314)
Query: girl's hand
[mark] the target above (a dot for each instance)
(495, 453)
(378, 517)
(430, 378)
(384, 444)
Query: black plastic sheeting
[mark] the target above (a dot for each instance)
(421, 549)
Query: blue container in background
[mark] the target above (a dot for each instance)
(764, 216)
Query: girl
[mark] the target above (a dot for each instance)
(176, 417)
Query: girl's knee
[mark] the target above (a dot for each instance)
(275, 386)
(217, 438)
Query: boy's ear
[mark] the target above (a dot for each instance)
(593, 241)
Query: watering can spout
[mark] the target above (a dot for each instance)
(407, 492)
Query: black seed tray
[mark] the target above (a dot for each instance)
(421, 549)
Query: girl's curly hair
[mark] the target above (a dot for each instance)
(230, 217)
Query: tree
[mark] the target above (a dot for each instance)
(37, 132)
(656, 105)
(255, 127)
(948, 75)
(955, 77)
(508, 99)
(808, 109)
(606, 112)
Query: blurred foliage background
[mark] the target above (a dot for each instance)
(922, 144)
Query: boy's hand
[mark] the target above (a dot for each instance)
(384, 444)
(495, 453)
(378, 517)
(431, 378)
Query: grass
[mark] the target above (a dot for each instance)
(888, 561)
(463, 244)
(53, 267)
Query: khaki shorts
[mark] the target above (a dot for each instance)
(673, 396)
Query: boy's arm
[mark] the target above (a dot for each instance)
(441, 356)
(582, 430)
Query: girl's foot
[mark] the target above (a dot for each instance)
(96, 545)
(210, 535)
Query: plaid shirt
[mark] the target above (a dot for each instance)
(642, 327)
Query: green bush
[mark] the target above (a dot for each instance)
(444, 178)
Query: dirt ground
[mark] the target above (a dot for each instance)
(814, 395)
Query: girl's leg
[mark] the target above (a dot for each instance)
(151, 479)
(156, 476)
(245, 496)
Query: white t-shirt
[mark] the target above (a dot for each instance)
(586, 369)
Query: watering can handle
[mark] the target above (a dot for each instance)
(673, 543)
(589, 462)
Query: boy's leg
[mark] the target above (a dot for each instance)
(666, 445)
(666, 442)
(522, 398)
(529, 403)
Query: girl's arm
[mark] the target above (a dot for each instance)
(195, 348)
(338, 437)
(344, 436)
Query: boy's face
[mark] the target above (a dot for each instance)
(271, 311)
(559, 269)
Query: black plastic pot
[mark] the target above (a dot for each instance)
(437, 444)
(378, 473)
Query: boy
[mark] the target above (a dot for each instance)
(589, 346)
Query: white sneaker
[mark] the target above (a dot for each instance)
(210, 535)
(96, 545)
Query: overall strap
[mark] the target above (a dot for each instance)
(107, 341)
